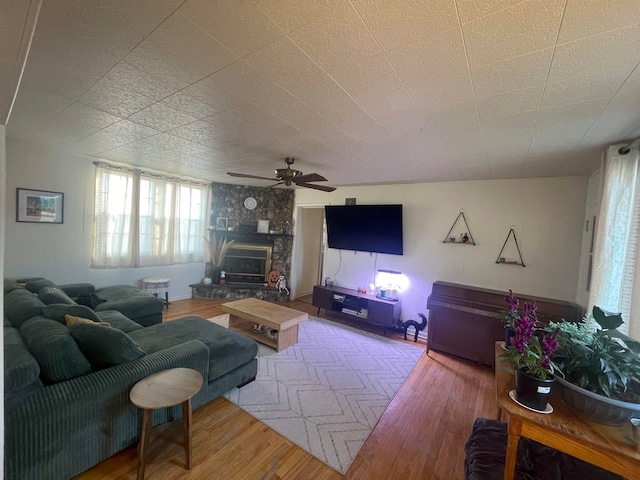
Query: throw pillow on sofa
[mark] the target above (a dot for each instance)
(72, 320)
(49, 295)
(105, 347)
(35, 284)
(57, 312)
(54, 349)
(21, 305)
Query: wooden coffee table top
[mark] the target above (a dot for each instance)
(266, 313)
(166, 388)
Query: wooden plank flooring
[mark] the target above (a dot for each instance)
(421, 434)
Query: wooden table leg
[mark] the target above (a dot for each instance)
(144, 440)
(186, 428)
(515, 427)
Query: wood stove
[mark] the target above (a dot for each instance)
(248, 263)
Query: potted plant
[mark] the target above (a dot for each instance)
(601, 368)
(218, 249)
(530, 353)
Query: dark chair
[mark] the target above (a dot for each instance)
(486, 450)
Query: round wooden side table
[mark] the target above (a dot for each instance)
(161, 390)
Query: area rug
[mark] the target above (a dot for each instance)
(327, 392)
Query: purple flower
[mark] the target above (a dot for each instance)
(529, 349)
(513, 302)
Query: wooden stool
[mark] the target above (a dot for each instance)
(156, 285)
(161, 390)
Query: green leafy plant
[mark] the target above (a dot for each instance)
(599, 358)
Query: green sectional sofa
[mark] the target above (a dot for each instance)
(132, 302)
(67, 385)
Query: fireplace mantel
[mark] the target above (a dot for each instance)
(250, 237)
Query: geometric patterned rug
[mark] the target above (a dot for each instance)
(327, 392)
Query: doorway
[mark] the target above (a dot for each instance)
(308, 250)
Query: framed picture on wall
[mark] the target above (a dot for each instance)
(39, 206)
(221, 223)
(263, 226)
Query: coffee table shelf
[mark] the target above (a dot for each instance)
(245, 327)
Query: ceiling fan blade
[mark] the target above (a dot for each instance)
(244, 175)
(317, 187)
(310, 177)
(274, 185)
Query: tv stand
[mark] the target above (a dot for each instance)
(366, 308)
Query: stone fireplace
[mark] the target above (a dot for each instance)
(253, 255)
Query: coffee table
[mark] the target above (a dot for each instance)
(244, 314)
(160, 390)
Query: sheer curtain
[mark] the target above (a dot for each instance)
(115, 226)
(172, 221)
(615, 285)
(143, 219)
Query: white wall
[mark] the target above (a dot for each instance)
(62, 253)
(547, 214)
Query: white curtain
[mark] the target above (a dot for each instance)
(143, 219)
(615, 285)
(115, 226)
(172, 221)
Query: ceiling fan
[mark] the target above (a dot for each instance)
(288, 176)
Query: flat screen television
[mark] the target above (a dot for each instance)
(365, 228)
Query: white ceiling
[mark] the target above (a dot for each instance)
(360, 91)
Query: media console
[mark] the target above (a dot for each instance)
(364, 307)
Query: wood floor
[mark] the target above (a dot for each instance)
(421, 434)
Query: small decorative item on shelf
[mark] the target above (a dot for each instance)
(464, 237)
(207, 281)
(530, 352)
(223, 278)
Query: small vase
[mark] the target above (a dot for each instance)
(533, 391)
(215, 275)
(509, 333)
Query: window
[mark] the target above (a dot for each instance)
(144, 220)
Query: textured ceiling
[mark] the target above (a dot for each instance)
(360, 91)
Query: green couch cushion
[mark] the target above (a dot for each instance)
(105, 347)
(34, 285)
(57, 311)
(227, 349)
(75, 289)
(21, 305)
(10, 286)
(129, 300)
(50, 295)
(119, 321)
(54, 349)
(20, 367)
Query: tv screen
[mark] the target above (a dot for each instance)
(365, 228)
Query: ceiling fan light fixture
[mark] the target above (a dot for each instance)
(289, 175)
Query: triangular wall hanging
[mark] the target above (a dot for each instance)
(502, 260)
(465, 237)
